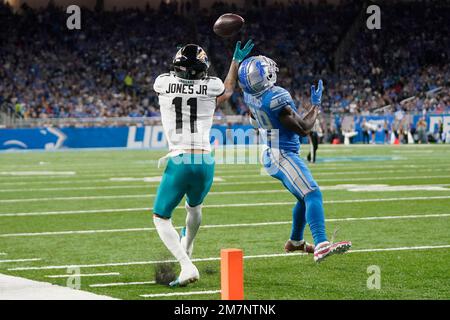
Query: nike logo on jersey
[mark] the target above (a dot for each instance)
(187, 89)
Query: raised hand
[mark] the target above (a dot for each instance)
(316, 95)
(240, 54)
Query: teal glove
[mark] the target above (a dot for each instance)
(240, 54)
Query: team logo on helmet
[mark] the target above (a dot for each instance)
(201, 55)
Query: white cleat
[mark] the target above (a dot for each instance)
(327, 249)
(187, 275)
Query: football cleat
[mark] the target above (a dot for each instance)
(183, 243)
(303, 246)
(327, 249)
(187, 275)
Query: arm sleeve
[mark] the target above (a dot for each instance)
(160, 83)
(215, 87)
(280, 99)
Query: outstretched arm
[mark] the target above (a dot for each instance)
(303, 125)
(230, 80)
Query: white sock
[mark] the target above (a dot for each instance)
(193, 221)
(171, 239)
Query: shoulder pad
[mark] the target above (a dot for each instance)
(279, 98)
(215, 86)
(161, 82)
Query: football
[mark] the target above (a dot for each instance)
(228, 25)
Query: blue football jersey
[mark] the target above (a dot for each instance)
(266, 109)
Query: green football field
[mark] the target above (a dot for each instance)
(91, 209)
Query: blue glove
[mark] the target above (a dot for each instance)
(316, 95)
(240, 54)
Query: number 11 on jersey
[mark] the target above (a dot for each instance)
(178, 104)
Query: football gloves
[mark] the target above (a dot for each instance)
(316, 95)
(240, 54)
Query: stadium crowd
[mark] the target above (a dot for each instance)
(107, 68)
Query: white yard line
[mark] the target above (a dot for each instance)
(146, 186)
(84, 275)
(254, 224)
(37, 173)
(383, 178)
(175, 294)
(149, 195)
(24, 214)
(253, 175)
(221, 206)
(141, 186)
(223, 171)
(131, 263)
(120, 284)
(267, 180)
(16, 288)
(20, 260)
(127, 196)
(349, 173)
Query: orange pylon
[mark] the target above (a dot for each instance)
(232, 274)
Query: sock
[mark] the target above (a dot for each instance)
(298, 221)
(315, 216)
(297, 243)
(171, 239)
(193, 221)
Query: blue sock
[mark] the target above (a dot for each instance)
(315, 216)
(298, 221)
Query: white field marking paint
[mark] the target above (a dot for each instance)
(413, 151)
(256, 174)
(24, 289)
(326, 166)
(346, 173)
(266, 178)
(215, 206)
(132, 263)
(224, 193)
(126, 196)
(325, 202)
(33, 182)
(3, 254)
(140, 186)
(212, 226)
(20, 260)
(84, 275)
(386, 188)
(37, 173)
(181, 294)
(49, 213)
(151, 179)
(120, 284)
(383, 178)
(219, 179)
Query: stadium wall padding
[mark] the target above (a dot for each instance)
(152, 137)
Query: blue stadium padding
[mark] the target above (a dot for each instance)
(152, 137)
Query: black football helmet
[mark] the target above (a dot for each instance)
(191, 62)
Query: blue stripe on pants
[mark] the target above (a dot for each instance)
(290, 169)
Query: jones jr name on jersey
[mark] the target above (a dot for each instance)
(187, 89)
(187, 110)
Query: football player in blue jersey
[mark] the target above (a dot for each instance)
(275, 113)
